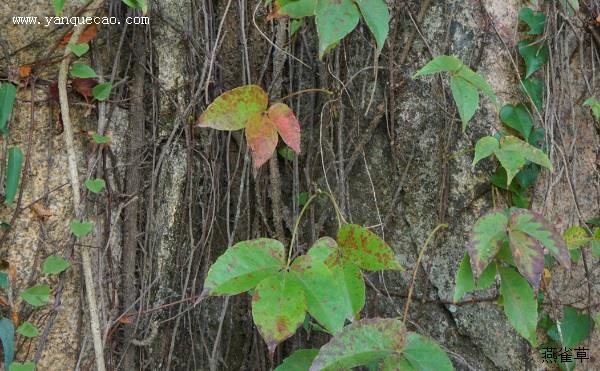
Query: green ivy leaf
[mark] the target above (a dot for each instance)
(365, 249)
(535, 55)
(37, 295)
(278, 308)
(302, 198)
(485, 147)
(396, 363)
(594, 106)
(81, 228)
(576, 237)
(4, 281)
(441, 63)
(7, 336)
(295, 26)
(360, 343)
(78, 49)
(232, 109)
(596, 242)
(535, 20)
(335, 19)
(531, 153)
(300, 360)
(95, 185)
(137, 4)
(54, 264)
(27, 329)
(536, 226)
(574, 328)
(512, 162)
(335, 290)
(377, 17)
(518, 118)
(487, 237)
(466, 97)
(100, 139)
(534, 88)
(479, 82)
(528, 255)
(520, 304)
(82, 70)
(58, 6)
(243, 266)
(102, 91)
(425, 354)
(8, 93)
(27, 366)
(465, 282)
(13, 174)
(294, 8)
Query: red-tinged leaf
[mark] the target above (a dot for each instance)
(537, 226)
(487, 237)
(261, 135)
(88, 34)
(278, 308)
(84, 86)
(287, 125)
(528, 255)
(232, 109)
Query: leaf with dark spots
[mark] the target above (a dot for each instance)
(232, 109)
(487, 237)
(261, 135)
(528, 255)
(365, 249)
(536, 226)
(243, 266)
(361, 343)
(287, 124)
(278, 308)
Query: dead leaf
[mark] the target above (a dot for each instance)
(287, 124)
(25, 70)
(40, 211)
(261, 135)
(88, 34)
(84, 87)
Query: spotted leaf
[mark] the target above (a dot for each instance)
(232, 109)
(365, 249)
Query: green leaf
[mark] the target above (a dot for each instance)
(335, 290)
(574, 328)
(595, 107)
(95, 185)
(534, 88)
(576, 237)
(300, 360)
(54, 264)
(441, 63)
(520, 304)
(465, 282)
(81, 228)
(335, 19)
(596, 242)
(302, 198)
(137, 4)
(243, 266)
(485, 147)
(8, 93)
(4, 281)
(278, 308)
(536, 226)
(102, 91)
(36, 296)
(365, 249)
(512, 162)
(27, 366)
(425, 354)
(528, 255)
(377, 17)
(13, 174)
(487, 237)
(27, 329)
(528, 175)
(535, 20)
(100, 139)
(58, 6)
(535, 56)
(294, 8)
(78, 49)
(232, 109)
(518, 118)
(466, 97)
(286, 152)
(295, 26)
(396, 363)
(531, 153)
(82, 70)
(479, 82)
(7, 336)
(361, 343)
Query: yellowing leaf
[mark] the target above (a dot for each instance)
(232, 109)
(365, 249)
